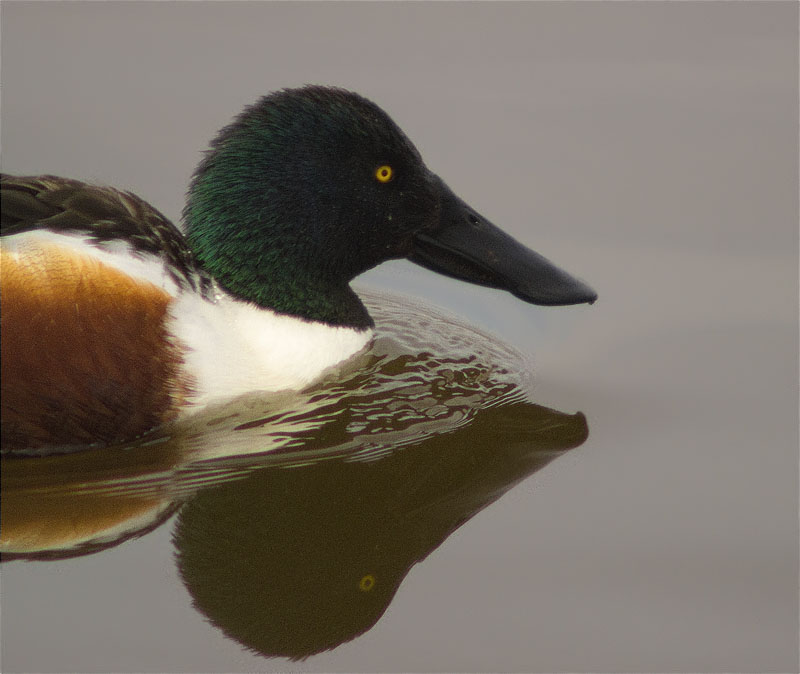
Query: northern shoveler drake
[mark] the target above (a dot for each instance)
(114, 321)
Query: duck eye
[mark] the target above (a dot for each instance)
(384, 173)
(366, 583)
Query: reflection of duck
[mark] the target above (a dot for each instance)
(293, 562)
(113, 321)
(72, 504)
(302, 513)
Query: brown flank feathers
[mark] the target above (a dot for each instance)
(86, 357)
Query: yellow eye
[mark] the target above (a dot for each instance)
(384, 173)
(366, 583)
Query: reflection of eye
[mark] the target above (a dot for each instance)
(384, 173)
(368, 581)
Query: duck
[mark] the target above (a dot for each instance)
(115, 321)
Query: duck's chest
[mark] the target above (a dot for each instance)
(231, 347)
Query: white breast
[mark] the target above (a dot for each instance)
(234, 347)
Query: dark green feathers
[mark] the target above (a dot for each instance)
(285, 210)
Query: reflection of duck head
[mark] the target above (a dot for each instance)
(292, 562)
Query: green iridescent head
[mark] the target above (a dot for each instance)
(305, 190)
(310, 187)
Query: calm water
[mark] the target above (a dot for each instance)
(622, 496)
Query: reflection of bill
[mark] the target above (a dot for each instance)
(293, 562)
(301, 514)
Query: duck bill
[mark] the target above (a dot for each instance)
(468, 247)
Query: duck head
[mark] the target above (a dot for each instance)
(308, 188)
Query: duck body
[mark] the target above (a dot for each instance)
(105, 338)
(115, 321)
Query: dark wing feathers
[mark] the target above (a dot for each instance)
(103, 214)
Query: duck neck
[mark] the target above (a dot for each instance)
(261, 230)
(288, 292)
(272, 273)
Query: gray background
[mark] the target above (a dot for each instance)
(650, 148)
